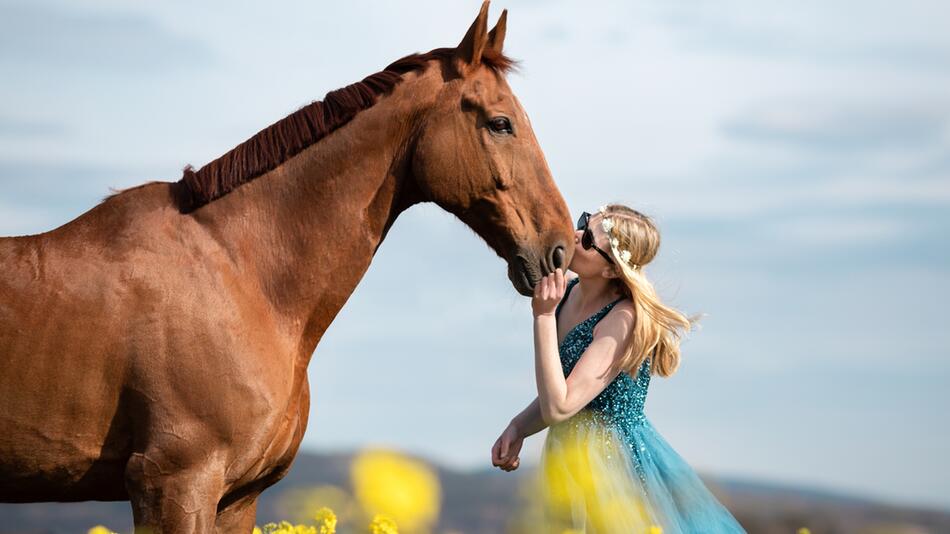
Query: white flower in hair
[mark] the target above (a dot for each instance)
(608, 223)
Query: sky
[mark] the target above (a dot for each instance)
(796, 157)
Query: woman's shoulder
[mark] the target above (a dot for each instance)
(622, 315)
(623, 305)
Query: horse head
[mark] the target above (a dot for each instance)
(476, 156)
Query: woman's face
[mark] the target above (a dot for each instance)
(589, 262)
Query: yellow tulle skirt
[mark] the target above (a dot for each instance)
(598, 479)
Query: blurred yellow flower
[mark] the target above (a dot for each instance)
(383, 525)
(326, 520)
(804, 530)
(99, 529)
(658, 530)
(398, 487)
(585, 482)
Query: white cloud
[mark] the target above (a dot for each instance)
(845, 126)
(79, 42)
(839, 34)
(837, 231)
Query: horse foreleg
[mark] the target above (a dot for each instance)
(170, 499)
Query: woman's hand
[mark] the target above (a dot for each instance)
(504, 454)
(548, 293)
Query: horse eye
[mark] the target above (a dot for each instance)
(500, 125)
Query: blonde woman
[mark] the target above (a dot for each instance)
(598, 338)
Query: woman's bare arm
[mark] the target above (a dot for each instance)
(560, 398)
(529, 421)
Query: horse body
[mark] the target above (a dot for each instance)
(135, 340)
(159, 354)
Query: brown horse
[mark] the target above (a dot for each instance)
(155, 349)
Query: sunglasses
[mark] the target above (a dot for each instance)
(587, 240)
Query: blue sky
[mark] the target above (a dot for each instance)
(796, 157)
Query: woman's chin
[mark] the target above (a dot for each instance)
(577, 266)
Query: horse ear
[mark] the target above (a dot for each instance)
(469, 51)
(496, 37)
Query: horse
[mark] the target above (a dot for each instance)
(155, 348)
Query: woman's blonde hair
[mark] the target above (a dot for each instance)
(658, 328)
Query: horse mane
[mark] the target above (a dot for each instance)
(285, 138)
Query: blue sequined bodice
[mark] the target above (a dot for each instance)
(621, 402)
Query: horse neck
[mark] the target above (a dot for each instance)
(307, 231)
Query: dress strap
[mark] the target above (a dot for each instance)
(611, 305)
(567, 291)
(606, 309)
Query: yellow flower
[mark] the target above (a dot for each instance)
(383, 525)
(274, 528)
(804, 530)
(99, 529)
(327, 520)
(659, 530)
(285, 527)
(257, 530)
(300, 505)
(399, 487)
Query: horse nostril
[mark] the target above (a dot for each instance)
(557, 257)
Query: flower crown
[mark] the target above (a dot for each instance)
(607, 223)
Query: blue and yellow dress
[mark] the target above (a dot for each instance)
(607, 470)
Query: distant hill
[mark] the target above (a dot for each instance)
(485, 501)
